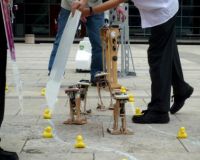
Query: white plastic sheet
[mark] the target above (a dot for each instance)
(58, 68)
(5, 9)
(18, 85)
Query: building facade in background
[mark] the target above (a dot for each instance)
(39, 17)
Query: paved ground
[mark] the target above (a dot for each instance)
(22, 130)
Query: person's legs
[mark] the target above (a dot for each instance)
(93, 26)
(7, 155)
(178, 83)
(181, 89)
(160, 58)
(3, 60)
(4, 155)
(62, 20)
(177, 73)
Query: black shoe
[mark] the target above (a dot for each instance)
(93, 83)
(84, 80)
(6, 155)
(179, 101)
(151, 117)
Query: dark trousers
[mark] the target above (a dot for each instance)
(3, 60)
(165, 66)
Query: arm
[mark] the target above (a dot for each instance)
(78, 5)
(106, 6)
(96, 9)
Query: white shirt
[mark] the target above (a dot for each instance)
(155, 12)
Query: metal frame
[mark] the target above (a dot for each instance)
(126, 53)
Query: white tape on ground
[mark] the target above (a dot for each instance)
(18, 85)
(106, 149)
(58, 68)
(191, 140)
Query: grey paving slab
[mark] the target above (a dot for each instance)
(24, 120)
(191, 105)
(192, 144)
(82, 156)
(12, 143)
(166, 156)
(20, 129)
(13, 108)
(32, 106)
(112, 155)
(146, 139)
(60, 156)
(23, 132)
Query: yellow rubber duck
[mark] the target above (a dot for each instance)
(43, 91)
(79, 142)
(138, 111)
(123, 90)
(182, 133)
(131, 98)
(47, 114)
(6, 88)
(48, 132)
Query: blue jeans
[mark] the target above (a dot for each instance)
(62, 20)
(93, 25)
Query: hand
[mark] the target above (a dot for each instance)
(83, 19)
(85, 12)
(80, 5)
(121, 13)
(7, 1)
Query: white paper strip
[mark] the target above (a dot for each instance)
(18, 85)
(58, 68)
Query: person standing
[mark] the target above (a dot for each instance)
(93, 24)
(163, 57)
(4, 155)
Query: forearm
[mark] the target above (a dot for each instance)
(84, 1)
(106, 5)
